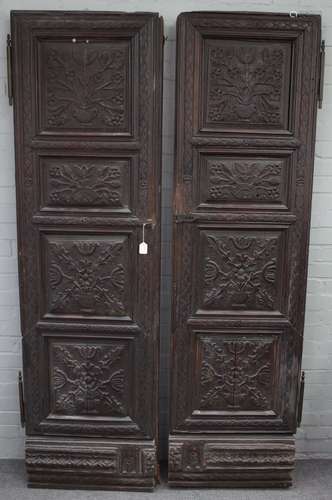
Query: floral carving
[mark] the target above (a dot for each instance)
(236, 374)
(245, 84)
(88, 379)
(240, 272)
(86, 85)
(85, 184)
(86, 276)
(248, 181)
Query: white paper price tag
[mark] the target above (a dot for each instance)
(143, 248)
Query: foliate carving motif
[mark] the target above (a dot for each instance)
(149, 462)
(175, 456)
(220, 457)
(85, 183)
(85, 85)
(236, 374)
(93, 461)
(86, 276)
(88, 379)
(245, 84)
(240, 271)
(245, 181)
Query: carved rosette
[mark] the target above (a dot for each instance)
(240, 271)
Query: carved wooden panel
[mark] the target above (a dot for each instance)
(247, 84)
(84, 85)
(246, 108)
(86, 184)
(236, 373)
(86, 275)
(89, 379)
(240, 270)
(227, 181)
(88, 96)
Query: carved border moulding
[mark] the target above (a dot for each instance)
(79, 463)
(254, 461)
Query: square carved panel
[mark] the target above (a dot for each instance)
(89, 378)
(236, 373)
(84, 87)
(86, 276)
(243, 181)
(86, 183)
(247, 84)
(240, 270)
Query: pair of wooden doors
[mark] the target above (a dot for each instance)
(87, 94)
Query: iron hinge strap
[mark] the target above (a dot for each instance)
(181, 218)
(9, 70)
(300, 400)
(21, 396)
(321, 74)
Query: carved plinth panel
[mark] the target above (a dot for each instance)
(89, 379)
(84, 86)
(236, 374)
(86, 275)
(242, 182)
(240, 270)
(85, 183)
(246, 84)
(246, 455)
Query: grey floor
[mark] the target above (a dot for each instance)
(313, 481)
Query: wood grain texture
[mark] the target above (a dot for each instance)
(246, 110)
(88, 92)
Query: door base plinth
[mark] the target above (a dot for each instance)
(231, 461)
(70, 463)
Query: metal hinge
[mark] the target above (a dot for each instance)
(21, 396)
(181, 218)
(9, 70)
(300, 400)
(321, 74)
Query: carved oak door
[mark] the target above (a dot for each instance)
(87, 96)
(246, 107)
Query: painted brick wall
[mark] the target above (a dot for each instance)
(315, 436)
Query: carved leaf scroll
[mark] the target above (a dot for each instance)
(87, 277)
(245, 84)
(240, 272)
(236, 374)
(88, 379)
(86, 85)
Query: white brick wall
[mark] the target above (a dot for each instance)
(315, 436)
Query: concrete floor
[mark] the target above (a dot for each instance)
(313, 481)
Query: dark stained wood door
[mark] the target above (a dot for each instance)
(246, 107)
(87, 99)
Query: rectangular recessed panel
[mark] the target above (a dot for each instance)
(243, 181)
(90, 378)
(87, 275)
(86, 184)
(247, 84)
(88, 99)
(236, 374)
(84, 86)
(240, 271)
